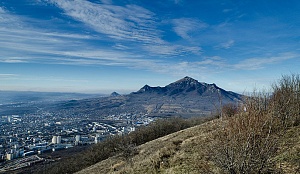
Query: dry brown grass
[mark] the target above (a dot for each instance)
(188, 151)
(180, 152)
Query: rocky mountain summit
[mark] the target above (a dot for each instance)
(187, 86)
(186, 95)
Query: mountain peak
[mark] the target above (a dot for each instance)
(146, 88)
(186, 81)
(187, 78)
(114, 94)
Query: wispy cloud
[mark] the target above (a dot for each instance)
(183, 27)
(216, 64)
(20, 42)
(12, 60)
(130, 22)
(172, 50)
(1, 10)
(258, 63)
(6, 18)
(9, 76)
(106, 1)
(226, 45)
(52, 79)
(120, 46)
(26, 44)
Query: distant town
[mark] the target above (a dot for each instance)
(24, 137)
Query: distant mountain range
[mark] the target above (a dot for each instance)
(7, 97)
(26, 102)
(186, 96)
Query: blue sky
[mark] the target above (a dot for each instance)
(121, 45)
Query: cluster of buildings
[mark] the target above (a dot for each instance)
(44, 132)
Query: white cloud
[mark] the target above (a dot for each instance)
(12, 60)
(184, 27)
(21, 41)
(120, 46)
(213, 65)
(6, 18)
(106, 1)
(258, 63)
(66, 35)
(216, 62)
(130, 22)
(226, 45)
(8, 75)
(172, 50)
(2, 10)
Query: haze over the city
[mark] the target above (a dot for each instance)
(112, 45)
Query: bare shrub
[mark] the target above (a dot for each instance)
(286, 100)
(245, 146)
(128, 151)
(247, 141)
(229, 109)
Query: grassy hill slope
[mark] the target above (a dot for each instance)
(188, 151)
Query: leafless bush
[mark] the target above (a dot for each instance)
(247, 141)
(286, 100)
(230, 109)
(128, 151)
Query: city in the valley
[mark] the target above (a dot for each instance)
(28, 135)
